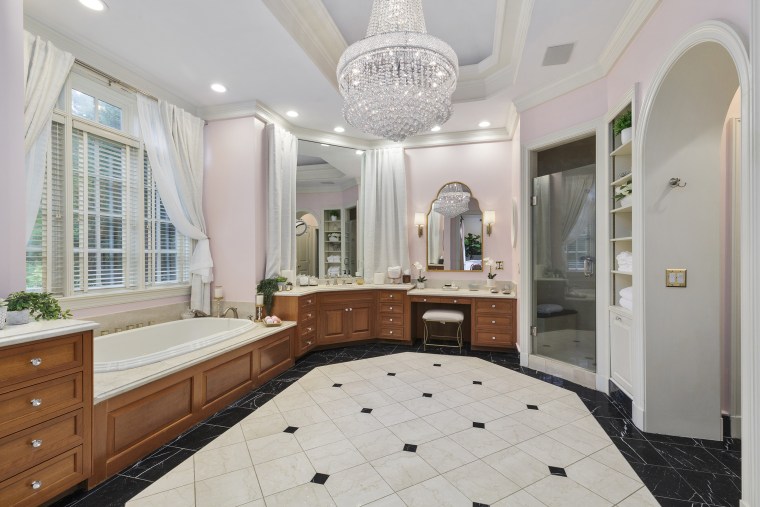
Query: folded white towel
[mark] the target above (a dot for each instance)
(626, 303)
(333, 258)
(627, 293)
(549, 308)
(622, 268)
(623, 256)
(333, 271)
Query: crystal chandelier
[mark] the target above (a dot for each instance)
(452, 201)
(398, 80)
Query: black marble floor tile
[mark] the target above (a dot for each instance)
(731, 459)
(715, 489)
(230, 416)
(673, 502)
(617, 427)
(197, 437)
(157, 464)
(666, 482)
(689, 457)
(115, 492)
(639, 451)
(254, 400)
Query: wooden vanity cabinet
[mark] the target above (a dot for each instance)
(345, 317)
(45, 418)
(302, 310)
(495, 323)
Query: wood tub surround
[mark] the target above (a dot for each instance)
(45, 418)
(133, 424)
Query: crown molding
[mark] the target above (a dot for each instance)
(521, 36)
(312, 27)
(559, 88)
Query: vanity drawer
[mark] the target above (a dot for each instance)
(391, 332)
(344, 296)
(392, 308)
(493, 321)
(306, 314)
(391, 296)
(32, 404)
(45, 481)
(487, 339)
(391, 319)
(38, 443)
(455, 300)
(428, 299)
(305, 301)
(306, 342)
(505, 306)
(309, 327)
(29, 361)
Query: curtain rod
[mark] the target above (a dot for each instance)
(112, 79)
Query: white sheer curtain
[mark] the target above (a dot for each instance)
(436, 223)
(45, 71)
(576, 197)
(281, 205)
(174, 142)
(382, 202)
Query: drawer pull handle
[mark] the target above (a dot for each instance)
(391, 332)
(350, 309)
(493, 306)
(346, 309)
(493, 322)
(308, 343)
(308, 301)
(424, 300)
(36, 361)
(308, 329)
(36, 402)
(493, 337)
(391, 308)
(391, 296)
(390, 320)
(36, 484)
(36, 443)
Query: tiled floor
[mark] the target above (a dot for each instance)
(489, 440)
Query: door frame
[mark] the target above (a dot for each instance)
(597, 128)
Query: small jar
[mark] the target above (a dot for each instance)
(407, 278)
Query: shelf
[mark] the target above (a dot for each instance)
(625, 312)
(621, 180)
(623, 209)
(621, 239)
(624, 273)
(625, 149)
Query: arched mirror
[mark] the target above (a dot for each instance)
(455, 230)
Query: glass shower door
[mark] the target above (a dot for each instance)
(564, 274)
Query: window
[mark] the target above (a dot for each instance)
(101, 225)
(576, 251)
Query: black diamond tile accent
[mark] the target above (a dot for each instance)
(477, 382)
(337, 385)
(532, 407)
(366, 411)
(436, 364)
(291, 429)
(478, 504)
(427, 395)
(557, 471)
(320, 478)
(410, 448)
(479, 425)
(391, 374)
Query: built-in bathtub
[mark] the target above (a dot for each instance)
(147, 345)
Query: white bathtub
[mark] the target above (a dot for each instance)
(138, 347)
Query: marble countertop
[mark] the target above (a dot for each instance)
(462, 293)
(40, 330)
(314, 289)
(110, 384)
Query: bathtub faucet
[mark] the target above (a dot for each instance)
(230, 309)
(200, 313)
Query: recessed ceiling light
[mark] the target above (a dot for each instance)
(292, 114)
(484, 124)
(436, 128)
(96, 5)
(359, 152)
(339, 130)
(218, 88)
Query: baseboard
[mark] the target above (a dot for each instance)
(736, 426)
(638, 416)
(603, 384)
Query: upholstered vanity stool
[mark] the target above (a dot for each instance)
(444, 317)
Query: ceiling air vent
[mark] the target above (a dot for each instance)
(558, 55)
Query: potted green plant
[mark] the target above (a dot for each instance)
(623, 194)
(267, 287)
(622, 127)
(472, 245)
(37, 305)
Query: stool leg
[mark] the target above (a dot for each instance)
(459, 337)
(425, 337)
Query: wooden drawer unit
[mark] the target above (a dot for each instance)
(483, 321)
(390, 296)
(391, 332)
(40, 358)
(392, 308)
(393, 314)
(305, 301)
(497, 306)
(494, 323)
(45, 418)
(391, 319)
(427, 299)
(489, 339)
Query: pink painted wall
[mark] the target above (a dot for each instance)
(487, 169)
(12, 189)
(235, 204)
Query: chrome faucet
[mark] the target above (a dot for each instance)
(232, 309)
(199, 313)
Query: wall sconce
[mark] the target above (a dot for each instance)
(419, 221)
(489, 218)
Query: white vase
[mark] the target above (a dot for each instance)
(625, 201)
(490, 282)
(625, 135)
(3, 316)
(18, 317)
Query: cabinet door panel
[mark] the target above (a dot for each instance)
(361, 321)
(333, 324)
(620, 351)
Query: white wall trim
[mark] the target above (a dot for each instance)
(721, 33)
(100, 299)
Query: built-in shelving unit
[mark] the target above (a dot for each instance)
(332, 242)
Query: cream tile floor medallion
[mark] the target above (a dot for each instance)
(409, 429)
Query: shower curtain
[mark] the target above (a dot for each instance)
(281, 194)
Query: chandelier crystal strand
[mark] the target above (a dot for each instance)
(452, 201)
(398, 80)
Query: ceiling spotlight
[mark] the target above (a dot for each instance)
(96, 5)
(484, 124)
(292, 114)
(339, 130)
(360, 152)
(436, 128)
(218, 88)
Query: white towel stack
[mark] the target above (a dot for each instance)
(333, 258)
(333, 271)
(626, 298)
(625, 262)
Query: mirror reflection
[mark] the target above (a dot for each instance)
(327, 191)
(455, 230)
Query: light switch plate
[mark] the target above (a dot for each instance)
(499, 265)
(675, 277)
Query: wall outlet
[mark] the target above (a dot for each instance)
(675, 277)
(499, 265)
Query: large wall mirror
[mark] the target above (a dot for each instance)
(455, 230)
(327, 192)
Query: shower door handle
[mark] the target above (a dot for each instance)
(588, 267)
